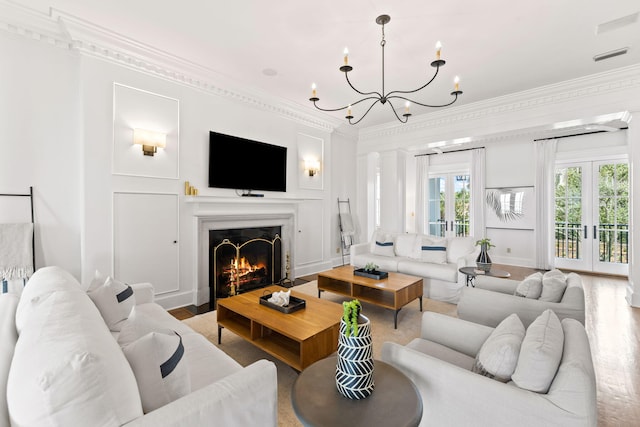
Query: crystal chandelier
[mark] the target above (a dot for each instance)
(383, 97)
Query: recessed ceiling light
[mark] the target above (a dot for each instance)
(270, 72)
(611, 54)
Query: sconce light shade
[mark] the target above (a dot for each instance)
(312, 166)
(150, 140)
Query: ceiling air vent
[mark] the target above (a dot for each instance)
(611, 54)
(616, 24)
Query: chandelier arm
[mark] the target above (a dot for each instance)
(346, 106)
(425, 105)
(366, 112)
(416, 90)
(346, 75)
(406, 118)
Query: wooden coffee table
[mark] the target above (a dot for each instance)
(393, 292)
(298, 339)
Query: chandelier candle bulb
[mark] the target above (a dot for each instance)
(438, 49)
(346, 56)
(406, 107)
(313, 90)
(456, 83)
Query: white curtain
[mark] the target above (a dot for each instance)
(477, 193)
(422, 186)
(545, 202)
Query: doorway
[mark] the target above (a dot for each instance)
(592, 216)
(448, 204)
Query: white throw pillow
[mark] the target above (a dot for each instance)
(161, 370)
(382, 243)
(137, 325)
(114, 300)
(554, 283)
(530, 287)
(498, 355)
(540, 353)
(434, 251)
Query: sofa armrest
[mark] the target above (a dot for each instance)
(454, 396)
(490, 308)
(247, 397)
(143, 292)
(496, 284)
(460, 335)
(359, 248)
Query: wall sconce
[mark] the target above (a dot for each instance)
(312, 166)
(150, 140)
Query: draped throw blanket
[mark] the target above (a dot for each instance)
(16, 251)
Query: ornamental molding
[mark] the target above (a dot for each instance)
(69, 32)
(619, 80)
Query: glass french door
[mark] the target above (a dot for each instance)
(448, 205)
(592, 216)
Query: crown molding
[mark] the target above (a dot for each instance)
(621, 79)
(66, 31)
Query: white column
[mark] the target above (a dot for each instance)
(633, 135)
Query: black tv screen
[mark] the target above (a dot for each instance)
(244, 164)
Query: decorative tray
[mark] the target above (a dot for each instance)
(371, 275)
(295, 304)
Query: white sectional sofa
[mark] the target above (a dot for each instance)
(436, 260)
(474, 375)
(66, 359)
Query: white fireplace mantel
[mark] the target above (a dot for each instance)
(215, 213)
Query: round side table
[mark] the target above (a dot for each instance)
(471, 273)
(316, 401)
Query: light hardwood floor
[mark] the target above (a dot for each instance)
(613, 328)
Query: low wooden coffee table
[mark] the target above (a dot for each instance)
(393, 292)
(298, 339)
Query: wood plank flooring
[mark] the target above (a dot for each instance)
(613, 328)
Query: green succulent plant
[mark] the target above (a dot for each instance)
(350, 316)
(370, 266)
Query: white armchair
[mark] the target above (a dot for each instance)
(439, 362)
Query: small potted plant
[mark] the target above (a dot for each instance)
(371, 271)
(483, 261)
(351, 312)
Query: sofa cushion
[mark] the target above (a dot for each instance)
(8, 338)
(554, 283)
(498, 355)
(540, 353)
(530, 287)
(66, 364)
(160, 367)
(445, 272)
(200, 353)
(405, 245)
(432, 250)
(459, 247)
(115, 300)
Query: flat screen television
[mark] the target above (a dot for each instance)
(244, 164)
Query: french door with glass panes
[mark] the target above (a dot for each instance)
(448, 205)
(592, 216)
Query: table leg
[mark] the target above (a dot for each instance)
(219, 334)
(395, 318)
(420, 298)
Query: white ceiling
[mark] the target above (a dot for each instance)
(497, 47)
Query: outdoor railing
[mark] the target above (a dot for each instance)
(613, 241)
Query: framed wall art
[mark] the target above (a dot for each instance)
(510, 207)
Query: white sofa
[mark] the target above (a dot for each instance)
(493, 299)
(441, 364)
(438, 266)
(60, 364)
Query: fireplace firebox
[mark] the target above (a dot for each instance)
(243, 259)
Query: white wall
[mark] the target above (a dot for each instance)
(40, 143)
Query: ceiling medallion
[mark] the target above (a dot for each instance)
(383, 97)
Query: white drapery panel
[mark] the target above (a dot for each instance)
(477, 193)
(422, 176)
(545, 201)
